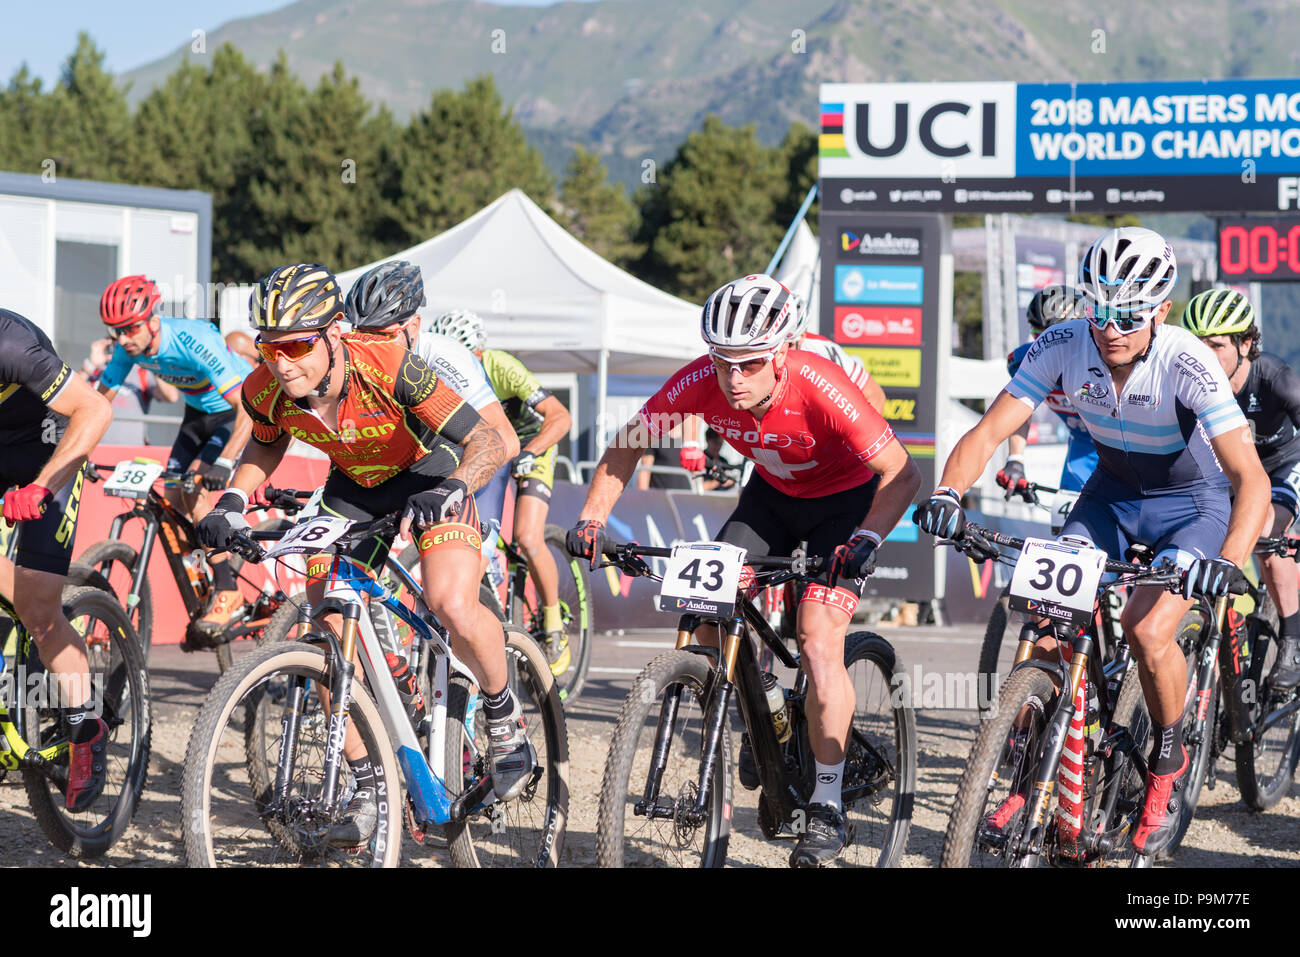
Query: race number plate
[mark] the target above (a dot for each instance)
(132, 479)
(1057, 581)
(1062, 504)
(701, 578)
(309, 537)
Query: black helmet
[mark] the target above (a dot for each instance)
(301, 296)
(389, 293)
(1053, 304)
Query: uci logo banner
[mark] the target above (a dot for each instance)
(918, 130)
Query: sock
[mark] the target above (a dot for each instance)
(552, 620)
(1167, 749)
(1290, 626)
(363, 772)
(829, 778)
(498, 707)
(223, 577)
(80, 728)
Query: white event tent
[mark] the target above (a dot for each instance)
(550, 300)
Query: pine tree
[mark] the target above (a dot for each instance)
(713, 214)
(457, 156)
(598, 212)
(24, 123)
(90, 125)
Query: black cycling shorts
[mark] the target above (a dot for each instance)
(769, 522)
(1285, 479)
(202, 436)
(345, 498)
(44, 545)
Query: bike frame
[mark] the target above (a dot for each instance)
(424, 775)
(158, 515)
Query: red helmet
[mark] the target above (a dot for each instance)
(127, 300)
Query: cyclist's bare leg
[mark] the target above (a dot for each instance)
(476, 635)
(530, 534)
(36, 598)
(830, 691)
(1150, 621)
(1280, 571)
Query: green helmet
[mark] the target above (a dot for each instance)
(1218, 312)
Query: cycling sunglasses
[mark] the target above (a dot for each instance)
(291, 349)
(123, 332)
(1126, 321)
(747, 367)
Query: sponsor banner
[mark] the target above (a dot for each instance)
(879, 284)
(878, 325)
(906, 530)
(1071, 138)
(919, 445)
(868, 242)
(1265, 192)
(918, 129)
(891, 367)
(1039, 262)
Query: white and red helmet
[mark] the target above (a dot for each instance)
(755, 312)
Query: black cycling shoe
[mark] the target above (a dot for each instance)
(823, 838)
(1286, 670)
(746, 769)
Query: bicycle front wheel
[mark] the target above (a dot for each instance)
(1266, 763)
(671, 833)
(999, 775)
(529, 830)
(232, 822)
(115, 560)
(880, 761)
(119, 695)
(996, 633)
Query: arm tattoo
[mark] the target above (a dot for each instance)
(485, 452)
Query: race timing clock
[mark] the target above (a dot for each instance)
(1258, 249)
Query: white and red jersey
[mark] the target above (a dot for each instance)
(852, 365)
(815, 439)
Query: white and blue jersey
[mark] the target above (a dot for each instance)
(1155, 438)
(191, 356)
(1080, 454)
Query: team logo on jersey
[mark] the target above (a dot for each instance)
(1094, 393)
(796, 440)
(1149, 401)
(1047, 339)
(1195, 369)
(1253, 404)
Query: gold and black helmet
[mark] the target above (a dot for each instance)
(302, 296)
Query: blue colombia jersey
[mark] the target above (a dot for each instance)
(191, 356)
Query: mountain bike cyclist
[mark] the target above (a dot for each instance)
(1160, 411)
(394, 435)
(693, 459)
(540, 420)
(816, 446)
(1268, 393)
(1050, 305)
(386, 302)
(50, 420)
(191, 355)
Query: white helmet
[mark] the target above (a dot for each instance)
(460, 325)
(1129, 269)
(756, 312)
(800, 324)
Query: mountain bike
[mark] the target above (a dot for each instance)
(251, 797)
(1085, 742)
(523, 608)
(163, 524)
(666, 795)
(1229, 701)
(34, 740)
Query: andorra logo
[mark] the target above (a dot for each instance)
(849, 241)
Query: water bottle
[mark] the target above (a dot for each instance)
(407, 689)
(776, 703)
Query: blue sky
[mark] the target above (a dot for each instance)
(131, 32)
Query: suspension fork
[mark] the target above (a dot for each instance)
(1040, 798)
(716, 716)
(667, 722)
(341, 688)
